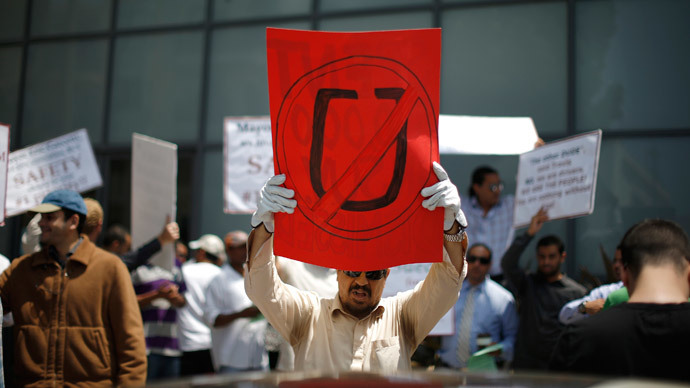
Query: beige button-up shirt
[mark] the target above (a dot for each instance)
(326, 338)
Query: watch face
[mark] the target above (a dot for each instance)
(581, 308)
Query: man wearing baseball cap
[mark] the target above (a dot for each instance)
(194, 334)
(76, 316)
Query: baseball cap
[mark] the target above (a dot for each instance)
(210, 243)
(61, 199)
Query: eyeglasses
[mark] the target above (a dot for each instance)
(496, 187)
(371, 275)
(482, 260)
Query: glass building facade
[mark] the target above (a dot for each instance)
(173, 69)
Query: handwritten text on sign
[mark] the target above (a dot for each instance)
(248, 163)
(66, 162)
(561, 177)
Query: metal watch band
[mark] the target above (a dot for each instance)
(460, 236)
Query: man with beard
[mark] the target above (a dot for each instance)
(355, 330)
(540, 295)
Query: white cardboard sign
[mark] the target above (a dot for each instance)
(4, 158)
(479, 135)
(154, 193)
(405, 277)
(65, 162)
(560, 176)
(248, 161)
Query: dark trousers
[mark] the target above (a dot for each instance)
(196, 363)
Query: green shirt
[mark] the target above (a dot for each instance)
(617, 297)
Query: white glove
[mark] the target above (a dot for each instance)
(273, 199)
(444, 194)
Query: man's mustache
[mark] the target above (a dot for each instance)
(364, 288)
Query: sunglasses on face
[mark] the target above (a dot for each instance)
(371, 275)
(496, 187)
(482, 260)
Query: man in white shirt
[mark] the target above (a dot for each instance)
(237, 337)
(194, 334)
(355, 330)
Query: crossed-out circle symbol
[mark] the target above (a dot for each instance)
(336, 206)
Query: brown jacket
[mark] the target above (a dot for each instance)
(77, 326)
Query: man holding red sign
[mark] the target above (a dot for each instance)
(355, 330)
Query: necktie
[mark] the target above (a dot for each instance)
(465, 329)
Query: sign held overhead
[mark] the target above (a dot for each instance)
(560, 177)
(65, 162)
(355, 118)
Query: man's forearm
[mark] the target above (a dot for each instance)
(146, 298)
(256, 240)
(139, 257)
(225, 319)
(456, 250)
(511, 258)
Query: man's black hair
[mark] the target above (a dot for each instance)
(115, 233)
(551, 240)
(654, 242)
(478, 177)
(69, 213)
(480, 245)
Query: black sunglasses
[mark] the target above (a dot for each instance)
(482, 260)
(371, 275)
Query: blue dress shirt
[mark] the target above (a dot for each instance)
(495, 229)
(494, 313)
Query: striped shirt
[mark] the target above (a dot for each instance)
(160, 327)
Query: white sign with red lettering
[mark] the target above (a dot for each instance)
(65, 162)
(154, 193)
(248, 161)
(4, 157)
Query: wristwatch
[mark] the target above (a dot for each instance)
(459, 237)
(581, 308)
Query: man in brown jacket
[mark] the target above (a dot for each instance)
(77, 321)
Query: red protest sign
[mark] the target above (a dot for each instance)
(355, 119)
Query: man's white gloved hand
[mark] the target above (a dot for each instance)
(273, 199)
(444, 194)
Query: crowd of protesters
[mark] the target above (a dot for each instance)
(77, 314)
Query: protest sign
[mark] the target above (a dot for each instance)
(560, 177)
(355, 119)
(477, 135)
(65, 162)
(154, 193)
(406, 277)
(248, 161)
(4, 158)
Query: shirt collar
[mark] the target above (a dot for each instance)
(81, 254)
(466, 285)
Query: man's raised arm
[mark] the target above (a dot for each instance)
(273, 198)
(439, 291)
(444, 194)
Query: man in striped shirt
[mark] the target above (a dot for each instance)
(160, 293)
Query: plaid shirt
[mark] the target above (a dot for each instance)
(495, 229)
